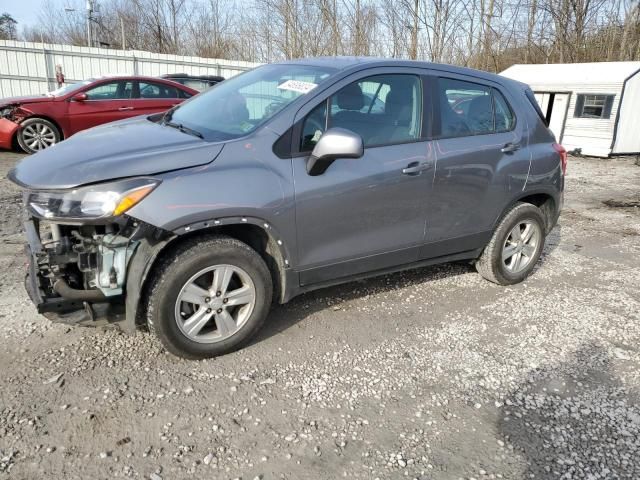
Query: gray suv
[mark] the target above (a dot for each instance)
(285, 179)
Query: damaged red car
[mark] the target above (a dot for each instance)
(35, 123)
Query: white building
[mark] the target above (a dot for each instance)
(590, 107)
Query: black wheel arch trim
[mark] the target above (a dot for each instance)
(149, 251)
(553, 194)
(137, 273)
(220, 222)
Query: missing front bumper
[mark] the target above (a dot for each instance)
(7, 132)
(56, 307)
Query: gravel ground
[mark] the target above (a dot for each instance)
(429, 374)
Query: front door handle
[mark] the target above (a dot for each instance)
(415, 168)
(510, 148)
(122, 109)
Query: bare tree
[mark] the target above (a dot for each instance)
(631, 33)
(487, 34)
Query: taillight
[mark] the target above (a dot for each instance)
(563, 156)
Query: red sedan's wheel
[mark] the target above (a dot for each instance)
(36, 134)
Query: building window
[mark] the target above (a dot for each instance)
(593, 106)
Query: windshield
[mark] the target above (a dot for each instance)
(68, 88)
(239, 105)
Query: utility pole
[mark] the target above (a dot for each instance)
(336, 36)
(122, 32)
(89, 20)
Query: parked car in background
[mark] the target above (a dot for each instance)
(197, 82)
(288, 178)
(37, 122)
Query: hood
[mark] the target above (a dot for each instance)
(25, 99)
(127, 148)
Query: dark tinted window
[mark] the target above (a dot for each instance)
(465, 108)
(111, 91)
(505, 120)
(468, 108)
(152, 90)
(382, 109)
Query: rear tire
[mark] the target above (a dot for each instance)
(36, 134)
(236, 289)
(515, 247)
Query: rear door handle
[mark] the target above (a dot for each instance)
(415, 168)
(510, 148)
(122, 109)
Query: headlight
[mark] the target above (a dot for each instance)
(6, 112)
(103, 200)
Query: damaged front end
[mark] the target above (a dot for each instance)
(10, 118)
(77, 272)
(79, 248)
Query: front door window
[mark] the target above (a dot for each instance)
(382, 109)
(120, 90)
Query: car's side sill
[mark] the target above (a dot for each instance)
(298, 290)
(358, 266)
(451, 246)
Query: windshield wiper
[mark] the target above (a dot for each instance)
(183, 129)
(168, 114)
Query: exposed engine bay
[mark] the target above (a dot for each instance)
(14, 112)
(86, 257)
(79, 267)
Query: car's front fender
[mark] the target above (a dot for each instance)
(246, 181)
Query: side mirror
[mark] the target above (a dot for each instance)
(333, 144)
(80, 97)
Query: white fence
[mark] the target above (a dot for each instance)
(29, 68)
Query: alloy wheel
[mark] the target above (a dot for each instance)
(38, 136)
(520, 247)
(215, 303)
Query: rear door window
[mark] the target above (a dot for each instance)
(468, 108)
(153, 90)
(504, 118)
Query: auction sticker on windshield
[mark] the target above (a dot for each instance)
(297, 86)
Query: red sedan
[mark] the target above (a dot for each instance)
(41, 121)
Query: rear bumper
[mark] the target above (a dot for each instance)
(554, 220)
(7, 132)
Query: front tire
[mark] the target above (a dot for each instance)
(36, 134)
(515, 247)
(209, 297)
